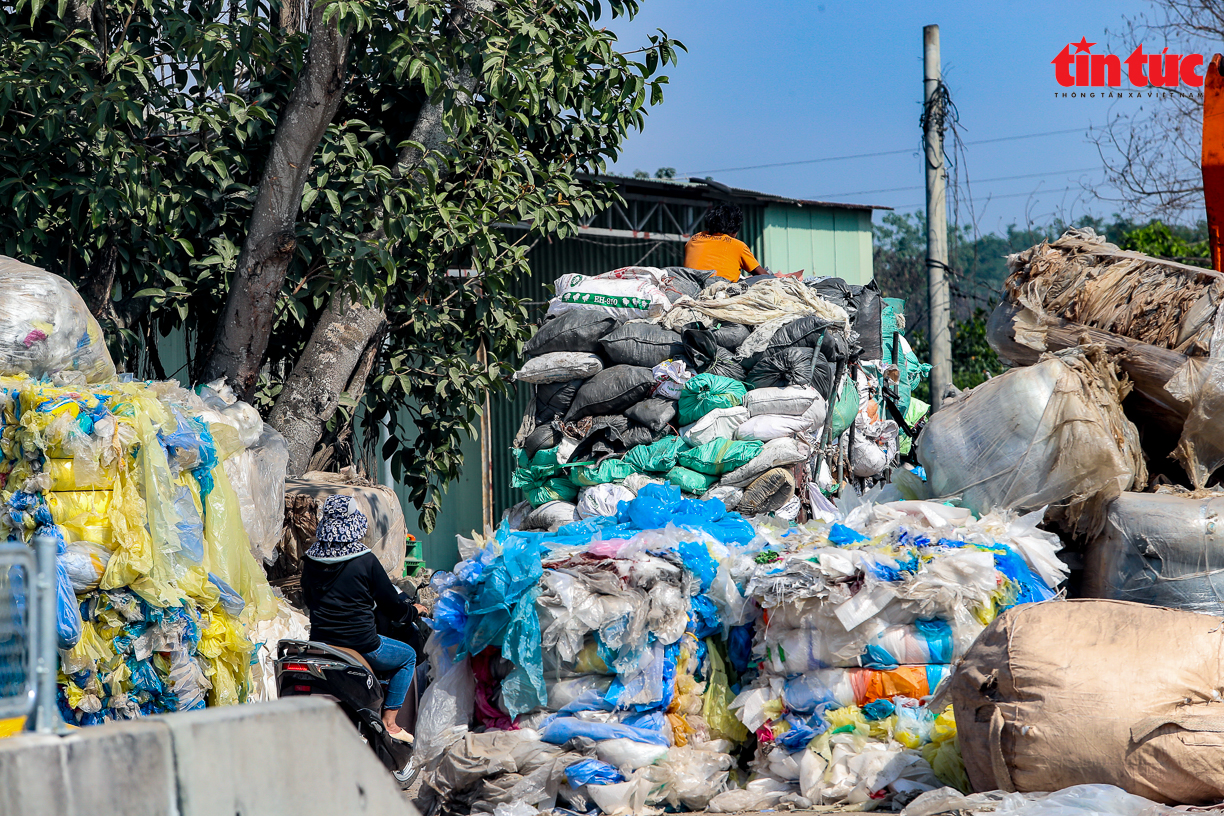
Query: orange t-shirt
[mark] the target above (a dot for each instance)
(727, 256)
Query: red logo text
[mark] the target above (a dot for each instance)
(1083, 69)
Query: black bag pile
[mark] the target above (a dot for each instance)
(767, 415)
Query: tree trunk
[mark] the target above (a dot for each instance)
(312, 392)
(99, 281)
(320, 370)
(246, 324)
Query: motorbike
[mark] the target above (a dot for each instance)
(343, 675)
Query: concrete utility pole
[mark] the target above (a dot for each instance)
(937, 220)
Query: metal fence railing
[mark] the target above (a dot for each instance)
(19, 615)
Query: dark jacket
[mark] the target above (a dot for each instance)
(342, 597)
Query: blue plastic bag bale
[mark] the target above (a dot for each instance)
(560, 730)
(68, 624)
(500, 587)
(592, 772)
(697, 560)
(523, 689)
(449, 618)
(654, 506)
(703, 617)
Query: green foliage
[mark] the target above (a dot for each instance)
(973, 360)
(146, 131)
(1177, 243)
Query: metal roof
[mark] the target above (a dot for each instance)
(710, 189)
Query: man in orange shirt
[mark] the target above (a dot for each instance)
(717, 247)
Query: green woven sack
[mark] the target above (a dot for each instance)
(544, 484)
(719, 456)
(609, 470)
(705, 392)
(690, 481)
(657, 457)
(845, 409)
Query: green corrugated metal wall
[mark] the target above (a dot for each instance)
(820, 241)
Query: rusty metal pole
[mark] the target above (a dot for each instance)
(937, 220)
(486, 454)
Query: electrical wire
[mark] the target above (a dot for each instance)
(823, 196)
(874, 155)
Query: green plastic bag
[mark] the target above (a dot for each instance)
(544, 484)
(917, 410)
(705, 392)
(657, 457)
(542, 478)
(719, 456)
(690, 481)
(716, 701)
(845, 409)
(609, 470)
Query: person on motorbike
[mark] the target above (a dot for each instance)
(344, 585)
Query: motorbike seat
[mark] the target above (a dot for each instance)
(356, 655)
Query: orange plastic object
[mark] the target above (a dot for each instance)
(1213, 157)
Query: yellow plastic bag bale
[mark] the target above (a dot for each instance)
(224, 644)
(133, 564)
(90, 649)
(715, 708)
(79, 507)
(944, 755)
(85, 562)
(228, 554)
(66, 475)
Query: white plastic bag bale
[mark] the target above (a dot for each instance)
(446, 707)
(790, 401)
(559, 366)
(289, 624)
(46, 328)
(602, 500)
(728, 495)
(1049, 434)
(765, 427)
(257, 475)
(776, 453)
(629, 755)
(721, 423)
(626, 294)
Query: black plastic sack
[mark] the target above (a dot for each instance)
(804, 331)
(837, 292)
(606, 438)
(641, 344)
(867, 320)
(611, 391)
(708, 357)
(685, 282)
(655, 414)
(553, 400)
(640, 435)
(793, 366)
(579, 330)
(731, 335)
(542, 438)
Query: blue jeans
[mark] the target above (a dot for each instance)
(397, 659)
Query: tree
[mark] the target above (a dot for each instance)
(291, 184)
(1152, 152)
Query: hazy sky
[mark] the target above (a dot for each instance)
(770, 81)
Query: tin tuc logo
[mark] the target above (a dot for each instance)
(1084, 69)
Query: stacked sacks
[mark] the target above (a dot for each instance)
(860, 621)
(157, 583)
(670, 375)
(600, 645)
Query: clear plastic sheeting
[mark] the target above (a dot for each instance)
(1049, 434)
(1163, 549)
(46, 328)
(1079, 800)
(1200, 385)
(257, 474)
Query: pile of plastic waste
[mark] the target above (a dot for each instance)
(677, 655)
(148, 492)
(860, 621)
(769, 394)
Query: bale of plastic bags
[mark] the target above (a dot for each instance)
(1039, 705)
(46, 328)
(1048, 434)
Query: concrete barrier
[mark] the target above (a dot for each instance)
(121, 768)
(296, 757)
